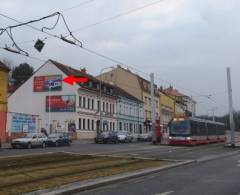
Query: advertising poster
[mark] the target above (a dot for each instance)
(23, 123)
(47, 83)
(61, 103)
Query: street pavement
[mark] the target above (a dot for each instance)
(220, 176)
(136, 149)
(215, 177)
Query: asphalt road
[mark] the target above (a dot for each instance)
(215, 177)
(137, 149)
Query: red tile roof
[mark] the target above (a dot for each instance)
(173, 92)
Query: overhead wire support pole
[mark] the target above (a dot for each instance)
(153, 110)
(230, 107)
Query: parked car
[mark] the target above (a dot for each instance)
(145, 137)
(30, 140)
(124, 136)
(59, 139)
(106, 137)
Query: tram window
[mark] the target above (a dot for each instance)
(194, 127)
(221, 129)
(211, 129)
(202, 129)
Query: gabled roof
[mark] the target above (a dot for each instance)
(141, 81)
(4, 67)
(71, 71)
(173, 92)
(120, 92)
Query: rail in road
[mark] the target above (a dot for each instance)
(171, 152)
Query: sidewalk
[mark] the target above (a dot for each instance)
(6, 145)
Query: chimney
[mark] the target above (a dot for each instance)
(84, 70)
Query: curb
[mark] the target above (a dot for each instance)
(91, 184)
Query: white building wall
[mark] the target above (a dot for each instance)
(25, 100)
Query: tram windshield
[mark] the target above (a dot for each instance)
(180, 128)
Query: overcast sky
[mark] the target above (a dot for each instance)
(188, 43)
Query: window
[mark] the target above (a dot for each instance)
(92, 104)
(103, 106)
(149, 101)
(145, 100)
(80, 101)
(88, 124)
(84, 124)
(92, 124)
(120, 126)
(88, 103)
(113, 126)
(156, 104)
(202, 129)
(110, 126)
(194, 128)
(84, 102)
(113, 108)
(110, 108)
(98, 105)
(79, 123)
(211, 129)
(90, 84)
(106, 107)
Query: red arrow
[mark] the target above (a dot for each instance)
(71, 80)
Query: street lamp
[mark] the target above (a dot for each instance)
(100, 94)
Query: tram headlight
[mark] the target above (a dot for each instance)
(188, 138)
(170, 137)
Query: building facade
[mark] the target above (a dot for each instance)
(3, 100)
(167, 109)
(137, 87)
(183, 103)
(130, 116)
(64, 107)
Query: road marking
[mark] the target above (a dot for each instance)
(165, 193)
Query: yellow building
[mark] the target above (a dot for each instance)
(179, 103)
(3, 100)
(167, 107)
(137, 87)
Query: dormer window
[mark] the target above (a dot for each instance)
(90, 84)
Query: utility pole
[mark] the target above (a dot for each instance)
(49, 107)
(230, 107)
(153, 108)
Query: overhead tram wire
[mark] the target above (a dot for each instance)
(96, 23)
(76, 6)
(31, 57)
(95, 53)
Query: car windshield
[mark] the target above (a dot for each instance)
(30, 135)
(55, 135)
(105, 133)
(122, 133)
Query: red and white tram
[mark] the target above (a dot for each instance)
(193, 131)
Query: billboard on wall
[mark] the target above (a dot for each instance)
(23, 123)
(61, 103)
(47, 83)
